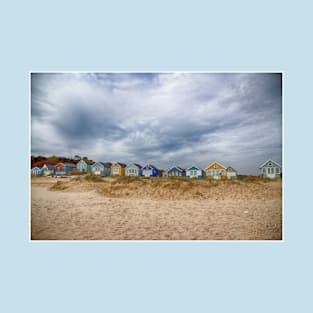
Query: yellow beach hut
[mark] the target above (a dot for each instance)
(216, 171)
(118, 169)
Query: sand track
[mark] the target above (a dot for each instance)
(150, 210)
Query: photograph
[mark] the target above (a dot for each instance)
(163, 156)
(151, 157)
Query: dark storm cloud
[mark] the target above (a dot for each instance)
(179, 118)
(84, 123)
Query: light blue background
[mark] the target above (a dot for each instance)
(155, 277)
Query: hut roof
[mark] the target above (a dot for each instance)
(136, 164)
(180, 169)
(195, 166)
(269, 160)
(216, 163)
(106, 164)
(120, 164)
(151, 166)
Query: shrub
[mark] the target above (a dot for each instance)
(75, 173)
(93, 178)
(59, 185)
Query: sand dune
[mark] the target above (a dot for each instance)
(149, 209)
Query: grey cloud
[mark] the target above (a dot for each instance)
(181, 118)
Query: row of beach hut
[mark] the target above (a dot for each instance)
(215, 170)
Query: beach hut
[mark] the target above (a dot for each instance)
(216, 171)
(47, 169)
(133, 169)
(165, 173)
(150, 170)
(231, 173)
(64, 168)
(97, 168)
(35, 171)
(84, 166)
(195, 172)
(176, 171)
(118, 169)
(270, 169)
(101, 168)
(107, 168)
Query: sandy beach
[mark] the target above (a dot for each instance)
(155, 209)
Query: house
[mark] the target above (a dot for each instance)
(195, 172)
(134, 169)
(44, 171)
(36, 171)
(216, 171)
(97, 168)
(270, 169)
(118, 169)
(64, 168)
(84, 166)
(101, 168)
(176, 171)
(150, 170)
(60, 169)
(47, 169)
(231, 173)
(165, 173)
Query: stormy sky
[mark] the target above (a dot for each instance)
(160, 118)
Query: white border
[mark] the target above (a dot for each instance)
(150, 240)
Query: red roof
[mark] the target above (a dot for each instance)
(42, 163)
